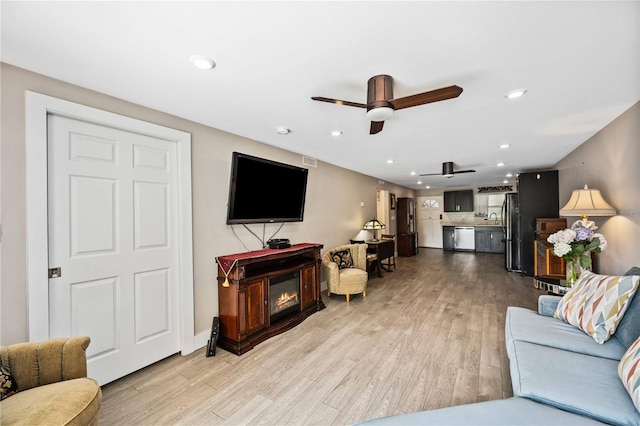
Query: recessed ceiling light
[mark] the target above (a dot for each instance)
(505, 181)
(505, 146)
(509, 175)
(419, 182)
(413, 173)
(336, 132)
(516, 93)
(427, 187)
(283, 131)
(390, 161)
(500, 164)
(202, 62)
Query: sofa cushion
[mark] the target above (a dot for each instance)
(629, 328)
(629, 372)
(509, 411)
(597, 303)
(8, 385)
(526, 325)
(574, 382)
(343, 258)
(70, 402)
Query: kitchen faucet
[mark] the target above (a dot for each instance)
(494, 214)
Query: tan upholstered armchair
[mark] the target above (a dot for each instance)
(346, 280)
(53, 387)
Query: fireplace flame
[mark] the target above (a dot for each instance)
(284, 301)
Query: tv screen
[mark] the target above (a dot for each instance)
(263, 191)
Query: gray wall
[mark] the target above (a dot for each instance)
(610, 162)
(332, 214)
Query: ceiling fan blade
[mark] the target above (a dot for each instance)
(431, 174)
(427, 97)
(338, 102)
(376, 127)
(463, 171)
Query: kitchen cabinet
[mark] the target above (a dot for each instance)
(406, 227)
(489, 239)
(458, 201)
(448, 237)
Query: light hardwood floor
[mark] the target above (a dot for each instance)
(429, 335)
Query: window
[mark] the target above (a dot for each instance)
(430, 204)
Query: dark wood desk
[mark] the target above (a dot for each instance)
(384, 249)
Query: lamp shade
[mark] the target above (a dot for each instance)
(587, 202)
(373, 224)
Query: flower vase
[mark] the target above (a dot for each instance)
(573, 271)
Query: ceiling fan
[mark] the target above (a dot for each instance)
(381, 105)
(447, 170)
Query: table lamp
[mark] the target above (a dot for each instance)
(586, 202)
(374, 224)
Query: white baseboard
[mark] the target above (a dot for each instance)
(200, 340)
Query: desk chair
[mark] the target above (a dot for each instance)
(391, 261)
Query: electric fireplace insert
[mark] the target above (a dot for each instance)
(284, 297)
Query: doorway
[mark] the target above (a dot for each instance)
(160, 297)
(429, 221)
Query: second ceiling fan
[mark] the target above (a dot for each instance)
(381, 105)
(448, 171)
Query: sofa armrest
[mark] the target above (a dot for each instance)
(547, 305)
(41, 363)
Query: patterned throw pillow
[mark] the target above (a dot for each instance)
(343, 259)
(596, 303)
(629, 372)
(8, 385)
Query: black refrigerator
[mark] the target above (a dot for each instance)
(537, 196)
(511, 224)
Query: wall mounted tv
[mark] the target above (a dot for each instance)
(263, 191)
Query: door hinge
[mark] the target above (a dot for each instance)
(55, 272)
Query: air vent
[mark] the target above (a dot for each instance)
(308, 161)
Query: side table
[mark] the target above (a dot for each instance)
(552, 284)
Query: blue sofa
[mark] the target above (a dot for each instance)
(559, 374)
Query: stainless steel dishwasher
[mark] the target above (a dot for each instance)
(465, 239)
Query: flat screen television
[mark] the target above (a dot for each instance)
(264, 191)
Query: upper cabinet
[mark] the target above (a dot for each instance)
(458, 201)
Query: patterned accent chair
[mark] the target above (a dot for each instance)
(344, 277)
(52, 384)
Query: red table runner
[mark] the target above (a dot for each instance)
(227, 262)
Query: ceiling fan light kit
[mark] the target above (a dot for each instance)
(381, 105)
(380, 114)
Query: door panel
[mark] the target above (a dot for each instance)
(112, 201)
(89, 318)
(150, 215)
(92, 215)
(152, 304)
(256, 307)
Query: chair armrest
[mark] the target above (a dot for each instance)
(50, 361)
(547, 305)
(330, 271)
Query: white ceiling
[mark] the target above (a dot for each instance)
(578, 60)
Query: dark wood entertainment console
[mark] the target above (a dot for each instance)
(244, 299)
